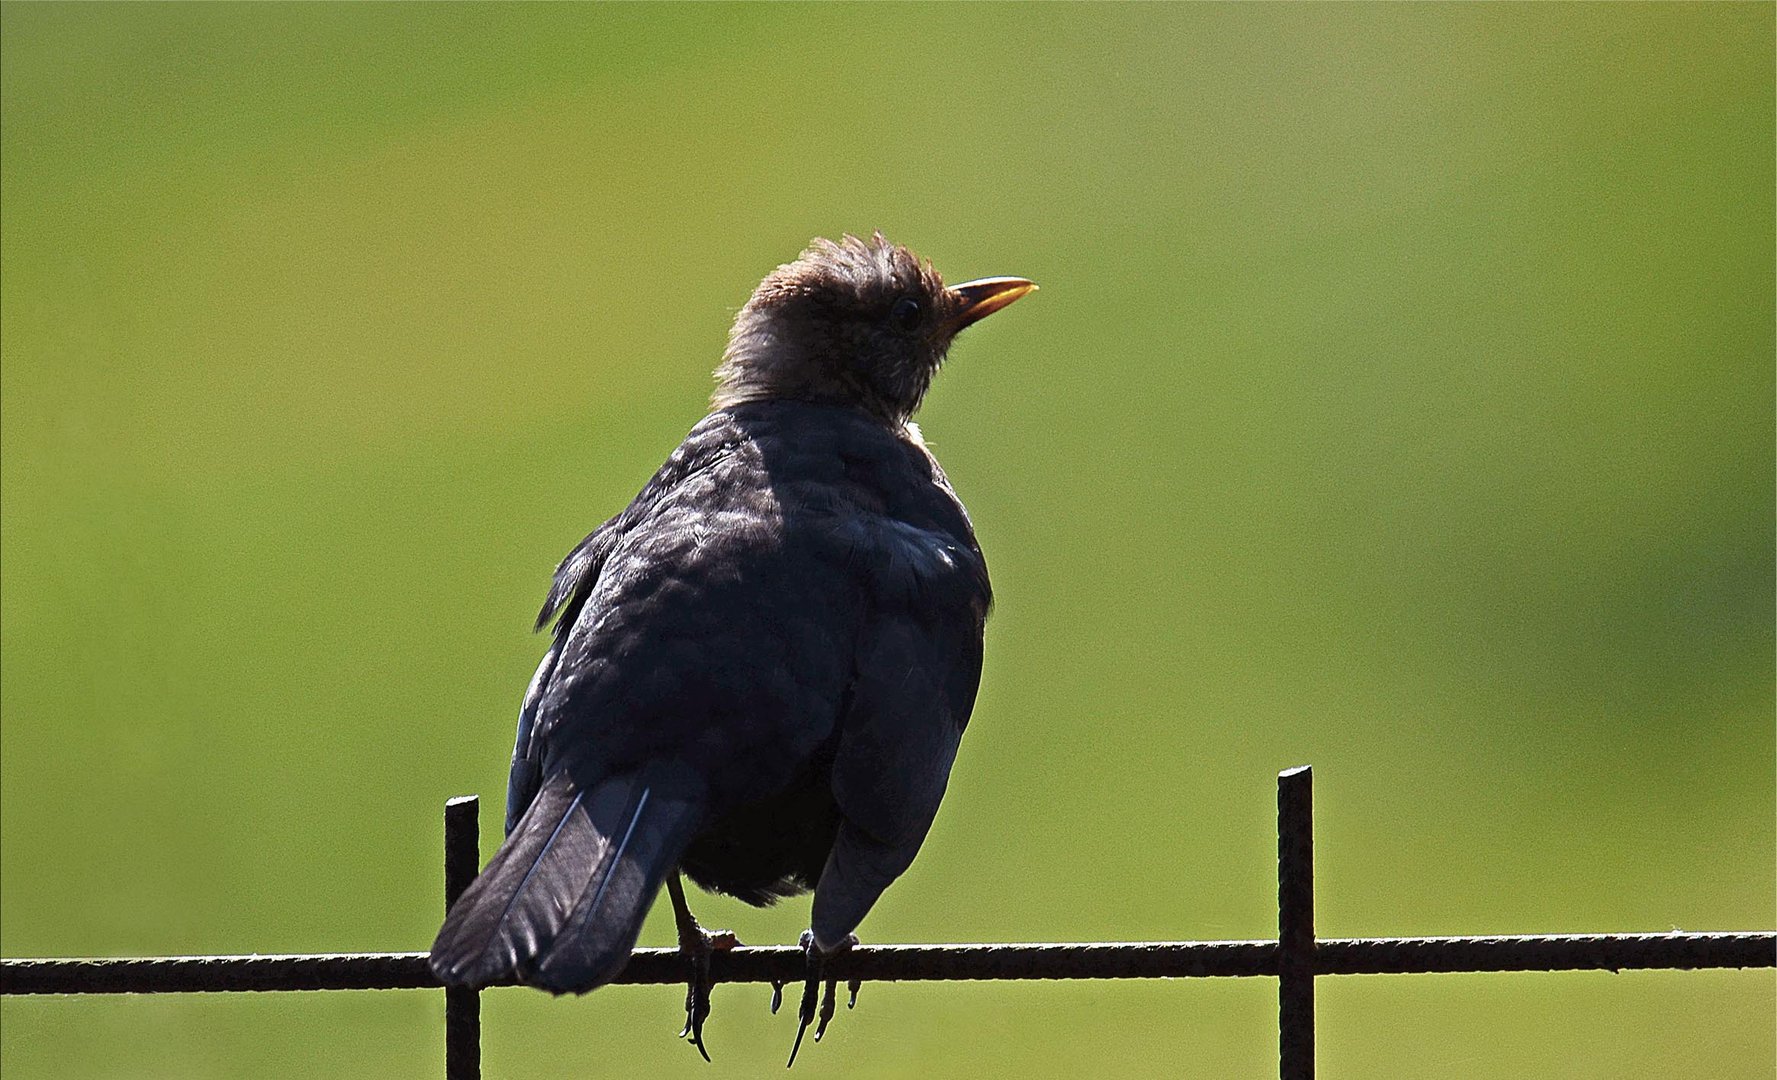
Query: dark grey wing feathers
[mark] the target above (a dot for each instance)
(708, 443)
(527, 753)
(917, 670)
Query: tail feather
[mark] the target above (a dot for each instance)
(561, 903)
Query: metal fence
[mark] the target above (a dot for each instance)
(1295, 958)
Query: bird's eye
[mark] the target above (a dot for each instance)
(905, 314)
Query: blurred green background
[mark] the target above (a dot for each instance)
(1399, 400)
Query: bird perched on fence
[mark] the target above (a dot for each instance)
(761, 669)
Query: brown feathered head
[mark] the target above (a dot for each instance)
(864, 323)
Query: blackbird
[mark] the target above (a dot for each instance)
(762, 668)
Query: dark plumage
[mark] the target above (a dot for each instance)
(762, 667)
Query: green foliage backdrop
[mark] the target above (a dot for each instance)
(1399, 399)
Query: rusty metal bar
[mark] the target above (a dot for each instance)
(1295, 924)
(785, 964)
(1675, 951)
(462, 1005)
(217, 974)
(925, 963)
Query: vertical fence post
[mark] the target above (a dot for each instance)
(462, 1005)
(1295, 924)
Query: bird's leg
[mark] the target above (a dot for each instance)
(696, 944)
(816, 963)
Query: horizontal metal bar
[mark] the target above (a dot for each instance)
(1566, 952)
(217, 974)
(782, 964)
(908, 963)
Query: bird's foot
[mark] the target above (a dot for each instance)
(697, 945)
(816, 962)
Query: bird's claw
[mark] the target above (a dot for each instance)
(827, 1009)
(816, 962)
(697, 944)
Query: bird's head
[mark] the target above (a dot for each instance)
(859, 322)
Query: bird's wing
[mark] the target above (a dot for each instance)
(575, 578)
(917, 669)
(526, 776)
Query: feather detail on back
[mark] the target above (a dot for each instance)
(708, 443)
(576, 574)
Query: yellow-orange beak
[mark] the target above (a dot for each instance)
(983, 297)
